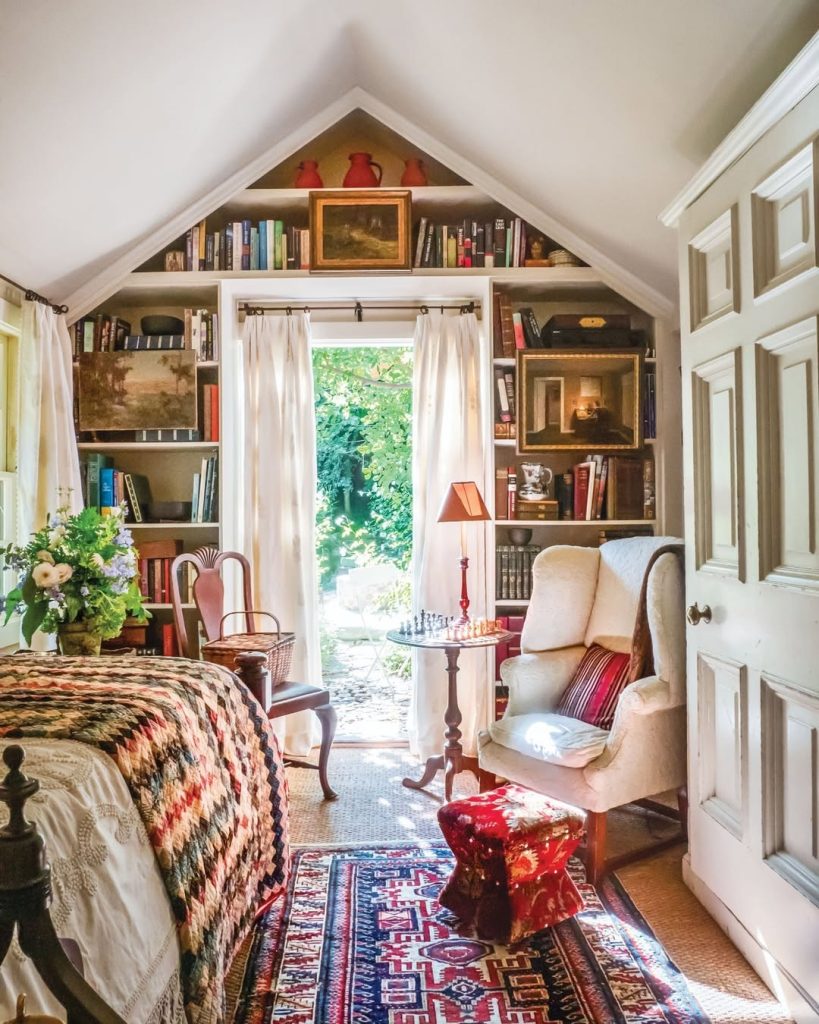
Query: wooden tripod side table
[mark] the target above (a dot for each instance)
(452, 760)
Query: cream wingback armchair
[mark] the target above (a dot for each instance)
(606, 595)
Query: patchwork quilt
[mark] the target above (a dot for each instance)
(204, 772)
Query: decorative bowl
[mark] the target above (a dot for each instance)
(520, 535)
(158, 323)
(175, 511)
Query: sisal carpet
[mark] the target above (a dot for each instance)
(361, 938)
(373, 807)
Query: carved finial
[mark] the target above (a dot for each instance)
(15, 789)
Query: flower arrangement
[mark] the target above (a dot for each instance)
(78, 568)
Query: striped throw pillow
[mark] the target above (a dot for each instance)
(592, 695)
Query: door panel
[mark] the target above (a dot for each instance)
(723, 726)
(788, 419)
(718, 484)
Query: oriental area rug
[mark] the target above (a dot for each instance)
(361, 939)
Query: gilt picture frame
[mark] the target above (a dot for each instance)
(360, 229)
(129, 390)
(576, 400)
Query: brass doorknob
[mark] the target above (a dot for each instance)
(695, 614)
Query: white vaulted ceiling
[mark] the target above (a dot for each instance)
(114, 117)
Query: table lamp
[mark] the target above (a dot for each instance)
(463, 504)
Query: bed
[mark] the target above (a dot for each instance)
(163, 804)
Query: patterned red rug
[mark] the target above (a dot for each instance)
(361, 939)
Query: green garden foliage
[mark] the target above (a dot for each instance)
(364, 452)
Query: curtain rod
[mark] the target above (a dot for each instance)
(33, 296)
(357, 308)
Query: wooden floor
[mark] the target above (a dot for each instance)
(374, 808)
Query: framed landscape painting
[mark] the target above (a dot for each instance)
(137, 390)
(358, 229)
(590, 401)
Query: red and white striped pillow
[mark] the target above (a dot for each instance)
(592, 695)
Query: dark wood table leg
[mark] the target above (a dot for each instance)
(452, 760)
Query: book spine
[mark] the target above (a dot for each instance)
(501, 485)
(520, 339)
(214, 413)
(262, 245)
(107, 497)
(133, 502)
(278, 230)
(512, 493)
(504, 410)
(601, 490)
(581, 490)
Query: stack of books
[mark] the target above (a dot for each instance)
(607, 487)
(471, 243)
(107, 488)
(243, 245)
(513, 571)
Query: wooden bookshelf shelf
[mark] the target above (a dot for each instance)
(254, 203)
(153, 606)
(173, 526)
(148, 446)
(514, 602)
(601, 524)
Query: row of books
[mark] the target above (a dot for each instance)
(155, 580)
(243, 245)
(102, 332)
(105, 487)
(204, 497)
(600, 487)
(607, 487)
(513, 571)
(471, 243)
(515, 329)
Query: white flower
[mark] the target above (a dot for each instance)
(45, 575)
(64, 571)
(46, 556)
(56, 535)
(97, 560)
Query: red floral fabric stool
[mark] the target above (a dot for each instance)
(511, 847)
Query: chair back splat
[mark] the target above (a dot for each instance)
(208, 593)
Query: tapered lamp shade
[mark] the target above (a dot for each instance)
(462, 504)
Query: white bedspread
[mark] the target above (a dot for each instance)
(108, 892)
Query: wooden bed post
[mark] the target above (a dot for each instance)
(25, 896)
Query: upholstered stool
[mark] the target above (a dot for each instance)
(511, 847)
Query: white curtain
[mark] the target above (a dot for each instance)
(279, 494)
(448, 443)
(47, 462)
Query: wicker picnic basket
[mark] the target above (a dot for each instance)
(278, 647)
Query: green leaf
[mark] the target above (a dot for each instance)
(13, 598)
(29, 590)
(32, 620)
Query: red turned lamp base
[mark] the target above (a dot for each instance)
(464, 602)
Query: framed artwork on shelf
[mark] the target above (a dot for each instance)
(360, 230)
(137, 390)
(581, 400)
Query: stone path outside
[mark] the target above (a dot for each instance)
(371, 701)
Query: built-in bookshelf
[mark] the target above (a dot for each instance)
(619, 487)
(451, 218)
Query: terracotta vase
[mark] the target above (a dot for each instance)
(361, 173)
(308, 176)
(75, 638)
(414, 172)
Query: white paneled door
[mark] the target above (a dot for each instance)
(750, 366)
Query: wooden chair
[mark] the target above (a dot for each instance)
(278, 699)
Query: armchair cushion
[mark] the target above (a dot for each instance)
(596, 686)
(553, 738)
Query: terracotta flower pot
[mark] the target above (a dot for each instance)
(75, 638)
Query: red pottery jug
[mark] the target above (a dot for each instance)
(414, 172)
(361, 174)
(308, 176)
